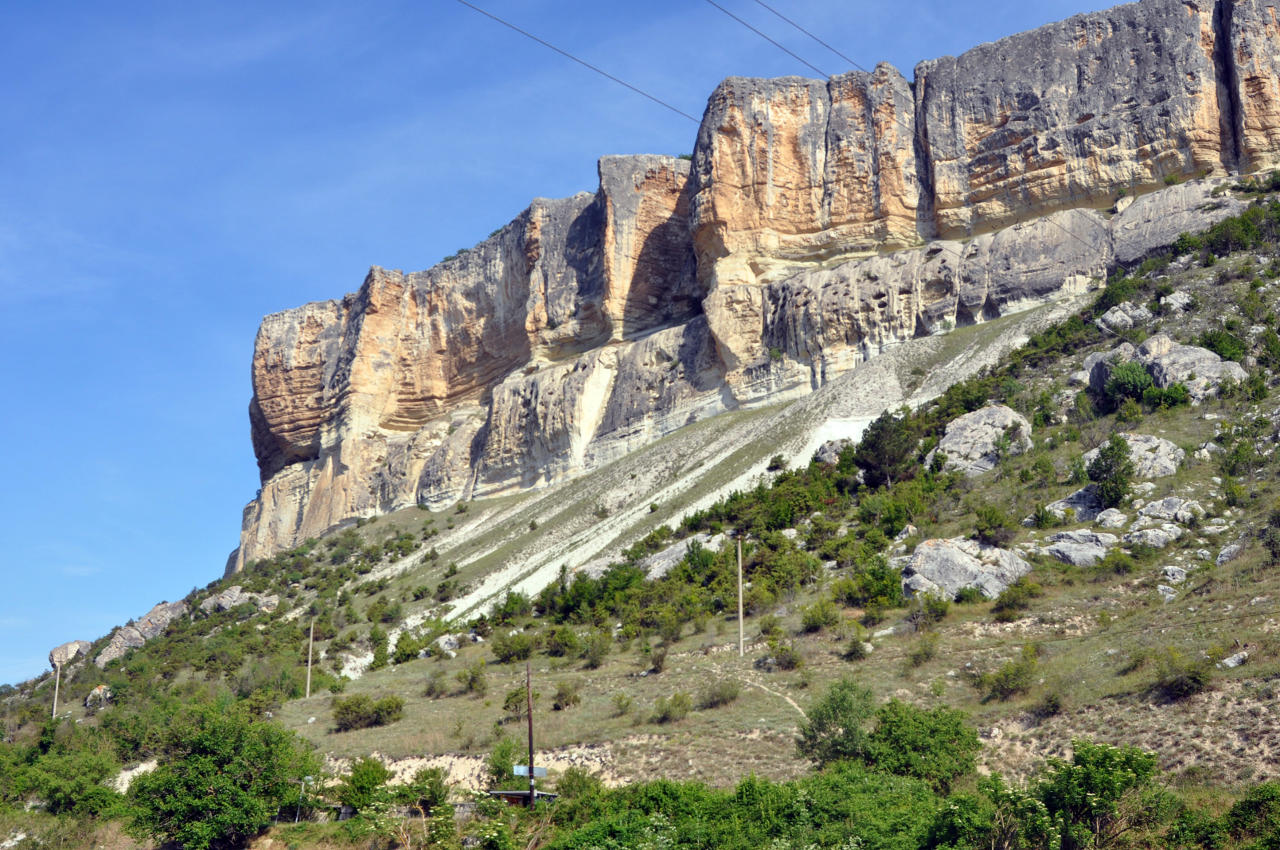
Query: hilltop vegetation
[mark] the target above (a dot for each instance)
(1090, 703)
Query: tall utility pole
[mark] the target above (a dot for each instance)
(741, 650)
(311, 641)
(57, 680)
(528, 693)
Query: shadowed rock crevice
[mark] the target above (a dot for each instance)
(1229, 106)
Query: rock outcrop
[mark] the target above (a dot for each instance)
(973, 443)
(944, 567)
(234, 596)
(61, 656)
(1153, 457)
(755, 273)
(136, 634)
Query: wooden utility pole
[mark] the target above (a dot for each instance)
(528, 693)
(741, 650)
(57, 680)
(311, 641)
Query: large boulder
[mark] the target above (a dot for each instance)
(972, 442)
(61, 656)
(1080, 548)
(944, 567)
(1199, 369)
(136, 634)
(1123, 317)
(1085, 505)
(1153, 457)
(829, 452)
(1172, 508)
(1099, 365)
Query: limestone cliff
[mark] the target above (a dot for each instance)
(818, 223)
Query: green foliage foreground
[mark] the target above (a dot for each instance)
(225, 777)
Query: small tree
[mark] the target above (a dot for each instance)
(836, 728)
(1098, 795)
(365, 784)
(1112, 470)
(886, 452)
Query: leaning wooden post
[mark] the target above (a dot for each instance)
(311, 640)
(741, 650)
(57, 680)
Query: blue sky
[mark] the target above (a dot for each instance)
(174, 171)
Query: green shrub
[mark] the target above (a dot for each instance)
(993, 526)
(1128, 380)
(426, 792)
(360, 711)
(407, 648)
(718, 694)
(1179, 677)
(822, 614)
(566, 696)
(1223, 343)
(1013, 677)
(515, 705)
(1117, 291)
(673, 708)
(927, 610)
(925, 649)
(1098, 796)
(577, 783)
(937, 746)
(1175, 395)
(562, 641)
(473, 679)
(596, 649)
(886, 452)
(1015, 599)
(509, 647)
(364, 785)
(1257, 815)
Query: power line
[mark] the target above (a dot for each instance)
(581, 62)
(770, 40)
(912, 131)
(811, 35)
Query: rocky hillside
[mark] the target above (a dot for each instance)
(593, 325)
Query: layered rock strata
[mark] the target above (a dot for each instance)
(757, 272)
(136, 634)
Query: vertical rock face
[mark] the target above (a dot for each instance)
(592, 324)
(1066, 115)
(1253, 66)
(792, 171)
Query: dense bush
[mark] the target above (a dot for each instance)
(218, 754)
(673, 708)
(937, 745)
(835, 729)
(361, 711)
(1225, 344)
(364, 784)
